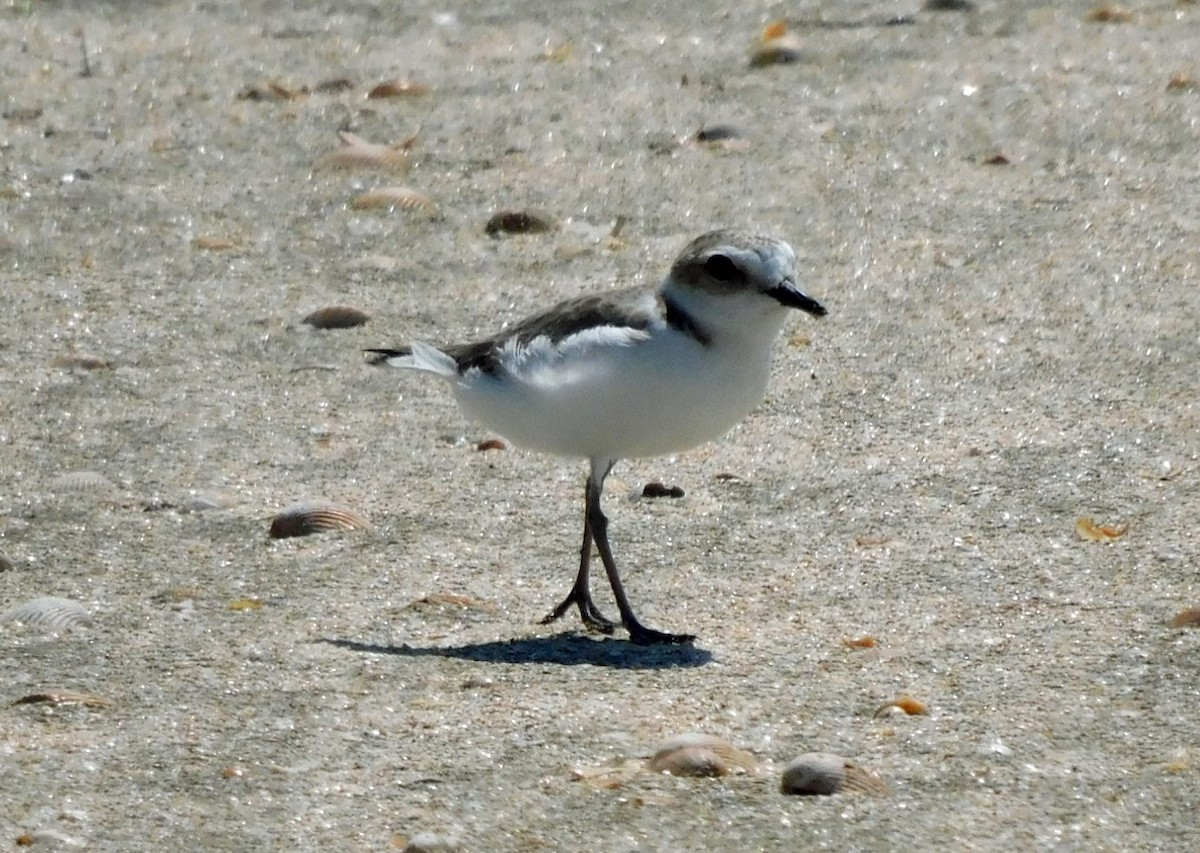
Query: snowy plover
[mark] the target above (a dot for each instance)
(628, 374)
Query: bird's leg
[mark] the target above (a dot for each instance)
(580, 594)
(597, 524)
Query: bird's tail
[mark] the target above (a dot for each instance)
(419, 356)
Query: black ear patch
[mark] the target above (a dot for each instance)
(723, 269)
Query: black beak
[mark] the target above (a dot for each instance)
(790, 296)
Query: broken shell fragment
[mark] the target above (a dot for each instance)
(399, 88)
(214, 244)
(336, 317)
(659, 490)
(1189, 618)
(910, 706)
(60, 698)
(776, 46)
(357, 153)
(700, 755)
(823, 773)
(334, 85)
(1086, 528)
(270, 91)
(864, 642)
(49, 614)
(518, 222)
(393, 198)
(303, 519)
(82, 481)
(1109, 13)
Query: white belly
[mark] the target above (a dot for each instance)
(653, 397)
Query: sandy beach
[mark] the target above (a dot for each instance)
(1000, 209)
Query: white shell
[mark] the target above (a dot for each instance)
(82, 481)
(48, 614)
(357, 153)
(393, 198)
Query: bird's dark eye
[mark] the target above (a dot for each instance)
(722, 268)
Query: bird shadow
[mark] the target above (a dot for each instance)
(568, 649)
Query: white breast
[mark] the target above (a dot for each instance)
(621, 393)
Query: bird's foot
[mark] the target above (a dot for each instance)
(588, 612)
(640, 635)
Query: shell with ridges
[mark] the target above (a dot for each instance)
(823, 773)
(82, 481)
(393, 198)
(302, 519)
(48, 613)
(64, 697)
(357, 153)
(696, 754)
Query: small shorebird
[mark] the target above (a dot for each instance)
(628, 374)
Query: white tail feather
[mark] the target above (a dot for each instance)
(427, 358)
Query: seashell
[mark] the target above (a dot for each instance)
(82, 481)
(696, 754)
(867, 642)
(334, 85)
(907, 704)
(871, 540)
(518, 222)
(1109, 13)
(60, 698)
(50, 839)
(1182, 82)
(398, 88)
(1189, 618)
(270, 91)
(48, 614)
(823, 773)
(336, 317)
(1087, 529)
(393, 198)
(490, 444)
(776, 46)
(611, 775)
(214, 244)
(304, 518)
(658, 490)
(357, 153)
